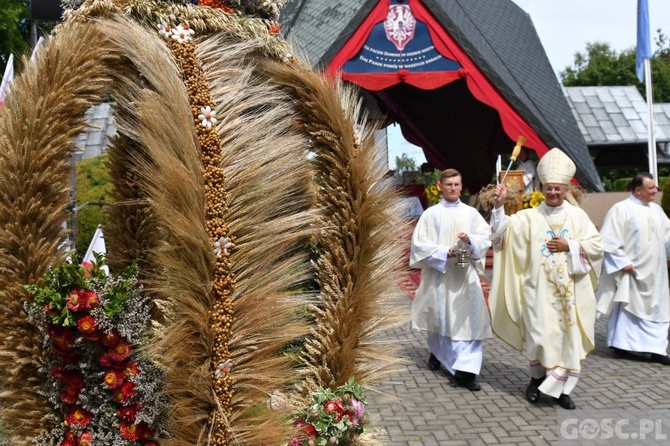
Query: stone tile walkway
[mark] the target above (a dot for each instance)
(421, 407)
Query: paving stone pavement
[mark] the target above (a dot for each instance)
(421, 407)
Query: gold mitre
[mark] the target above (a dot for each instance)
(556, 167)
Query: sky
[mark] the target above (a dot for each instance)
(564, 28)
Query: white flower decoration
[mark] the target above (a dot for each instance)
(206, 116)
(223, 368)
(182, 33)
(165, 30)
(222, 245)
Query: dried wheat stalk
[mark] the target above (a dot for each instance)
(42, 116)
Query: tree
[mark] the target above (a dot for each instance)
(14, 29)
(15, 24)
(404, 163)
(600, 66)
(405, 168)
(660, 68)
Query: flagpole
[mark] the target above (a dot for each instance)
(651, 141)
(643, 71)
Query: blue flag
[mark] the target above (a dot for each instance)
(643, 41)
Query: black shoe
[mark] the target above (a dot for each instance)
(661, 359)
(623, 354)
(473, 385)
(434, 363)
(532, 391)
(467, 380)
(566, 402)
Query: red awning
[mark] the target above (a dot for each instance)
(480, 87)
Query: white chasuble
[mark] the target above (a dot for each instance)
(638, 234)
(450, 300)
(544, 302)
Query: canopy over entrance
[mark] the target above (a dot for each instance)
(463, 78)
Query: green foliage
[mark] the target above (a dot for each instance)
(333, 417)
(620, 184)
(665, 200)
(602, 66)
(93, 186)
(14, 29)
(616, 180)
(116, 295)
(54, 293)
(406, 169)
(70, 279)
(404, 163)
(430, 178)
(660, 68)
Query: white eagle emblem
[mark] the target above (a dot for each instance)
(400, 25)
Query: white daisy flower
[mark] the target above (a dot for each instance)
(223, 368)
(182, 33)
(165, 30)
(222, 245)
(206, 116)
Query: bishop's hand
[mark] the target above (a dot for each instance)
(558, 244)
(500, 192)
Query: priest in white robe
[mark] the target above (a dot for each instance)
(449, 303)
(545, 274)
(526, 163)
(634, 284)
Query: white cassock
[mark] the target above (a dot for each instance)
(449, 303)
(544, 302)
(638, 305)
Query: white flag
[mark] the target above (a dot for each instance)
(6, 79)
(498, 168)
(38, 45)
(97, 245)
(9, 71)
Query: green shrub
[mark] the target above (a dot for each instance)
(665, 200)
(93, 186)
(620, 184)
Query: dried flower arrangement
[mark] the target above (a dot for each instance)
(332, 418)
(102, 390)
(267, 9)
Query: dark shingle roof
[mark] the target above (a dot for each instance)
(320, 28)
(498, 36)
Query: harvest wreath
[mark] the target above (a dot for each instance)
(250, 194)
